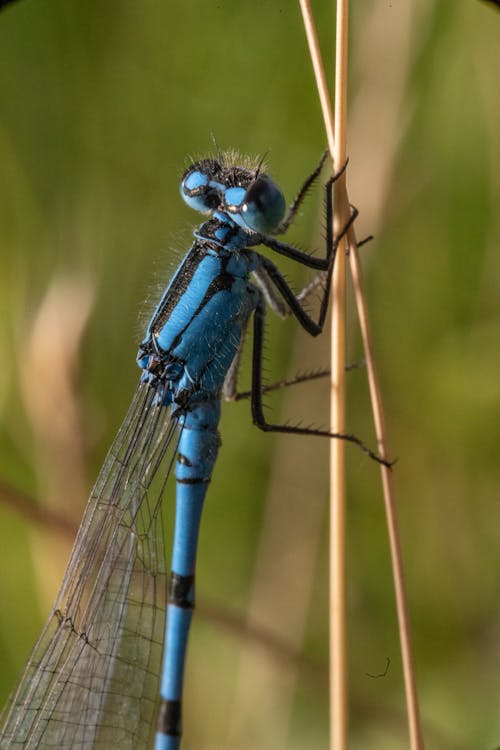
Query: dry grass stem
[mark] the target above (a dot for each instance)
(336, 134)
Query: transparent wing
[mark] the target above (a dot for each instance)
(93, 678)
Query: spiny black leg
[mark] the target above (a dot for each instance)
(257, 407)
(292, 211)
(311, 261)
(294, 207)
(304, 377)
(332, 242)
(276, 302)
(311, 326)
(365, 240)
(305, 320)
(279, 384)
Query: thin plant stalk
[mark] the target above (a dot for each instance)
(338, 636)
(337, 144)
(336, 134)
(412, 704)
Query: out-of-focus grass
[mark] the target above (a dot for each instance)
(100, 103)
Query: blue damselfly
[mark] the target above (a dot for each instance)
(95, 675)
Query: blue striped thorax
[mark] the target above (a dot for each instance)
(196, 329)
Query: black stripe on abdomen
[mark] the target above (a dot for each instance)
(169, 718)
(180, 591)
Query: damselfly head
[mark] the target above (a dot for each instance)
(247, 196)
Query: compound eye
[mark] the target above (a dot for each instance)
(259, 191)
(264, 205)
(198, 193)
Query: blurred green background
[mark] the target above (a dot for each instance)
(100, 102)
